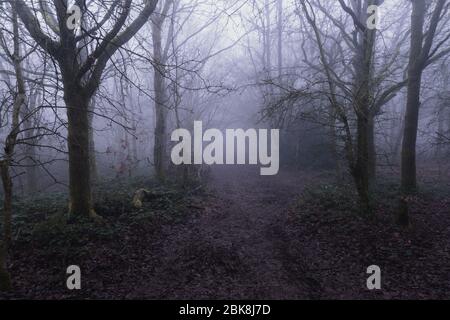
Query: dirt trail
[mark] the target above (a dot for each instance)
(236, 248)
(246, 240)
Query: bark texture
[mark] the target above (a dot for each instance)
(408, 179)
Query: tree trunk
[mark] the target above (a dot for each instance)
(134, 145)
(408, 174)
(160, 142)
(443, 102)
(334, 144)
(92, 157)
(441, 132)
(5, 279)
(79, 160)
(267, 43)
(32, 176)
(372, 149)
(361, 174)
(159, 150)
(363, 70)
(280, 38)
(30, 148)
(399, 138)
(7, 202)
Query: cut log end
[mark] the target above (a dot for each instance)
(139, 197)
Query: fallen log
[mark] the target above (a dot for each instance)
(142, 195)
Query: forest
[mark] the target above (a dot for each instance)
(224, 149)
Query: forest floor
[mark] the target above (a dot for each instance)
(292, 236)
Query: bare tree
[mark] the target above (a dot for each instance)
(11, 138)
(421, 55)
(9, 146)
(160, 55)
(81, 78)
(363, 46)
(421, 45)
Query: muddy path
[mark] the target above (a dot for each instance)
(246, 237)
(236, 248)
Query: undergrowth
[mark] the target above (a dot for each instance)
(43, 219)
(341, 198)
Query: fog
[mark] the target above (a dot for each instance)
(91, 92)
(237, 64)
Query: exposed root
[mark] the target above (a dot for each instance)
(96, 217)
(92, 215)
